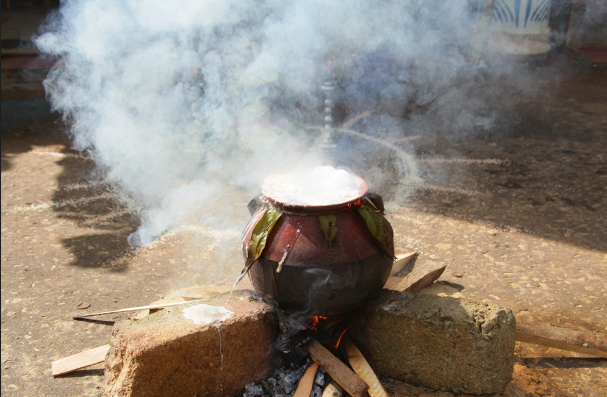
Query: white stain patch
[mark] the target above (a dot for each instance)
(206, 314)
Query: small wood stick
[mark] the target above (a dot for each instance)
(304, 387)
(190, 298)
(557, 344)
(363, 369)
(338, 370)
(530, 330)
(131, 309)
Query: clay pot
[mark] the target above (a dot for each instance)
(317, 277)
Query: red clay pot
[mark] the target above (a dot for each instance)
(318, 278)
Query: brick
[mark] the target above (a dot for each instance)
(165, 354)
(440, 343)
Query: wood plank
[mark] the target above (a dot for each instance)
(420, 277)
(343, 375)
(304, 387)
(530, 330)
(359, 363)
(80, 360)
(401, 261)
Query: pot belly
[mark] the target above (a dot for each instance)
(318, 277)
(321, 290)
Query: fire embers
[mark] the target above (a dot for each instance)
(315, 350)
(297, 330)
(285, 380)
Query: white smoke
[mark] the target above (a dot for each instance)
(184, 103)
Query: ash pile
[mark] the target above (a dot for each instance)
(284, 381)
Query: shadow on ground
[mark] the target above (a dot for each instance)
(22, 139)
(86, 200)
(100, 222)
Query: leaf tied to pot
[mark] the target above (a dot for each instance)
(262, 229)
(328, 227)
(264, 221)
(375, 224)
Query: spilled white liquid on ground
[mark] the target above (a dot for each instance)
(320, 186)
(206, 314)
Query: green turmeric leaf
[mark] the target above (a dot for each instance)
(374, 223)
(328, 226)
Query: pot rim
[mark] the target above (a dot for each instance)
(302, 209)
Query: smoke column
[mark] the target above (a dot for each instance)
(188, 105)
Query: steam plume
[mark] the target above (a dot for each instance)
(188, 103)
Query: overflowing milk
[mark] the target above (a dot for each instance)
(322, 186)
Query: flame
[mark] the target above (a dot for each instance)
(319, 323)
(340, 338)
(315, 321)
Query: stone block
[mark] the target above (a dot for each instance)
(166, 354)
(440, 343)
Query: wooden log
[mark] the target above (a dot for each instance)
(304, 387)
(530, 330)
(401, 261)
(79, 361)
(343, 375)
(359, 363)
(420, 277)
(333, 389)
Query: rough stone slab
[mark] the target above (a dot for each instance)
(165, 354)
(441, 343)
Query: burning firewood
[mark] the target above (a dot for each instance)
(333, 389)
(363, 369)
(343, 375)
(304, 387)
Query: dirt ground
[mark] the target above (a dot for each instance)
(521, 222)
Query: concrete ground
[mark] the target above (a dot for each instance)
(521, 222)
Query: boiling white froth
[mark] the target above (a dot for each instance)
(322, 186)
(206, 314)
